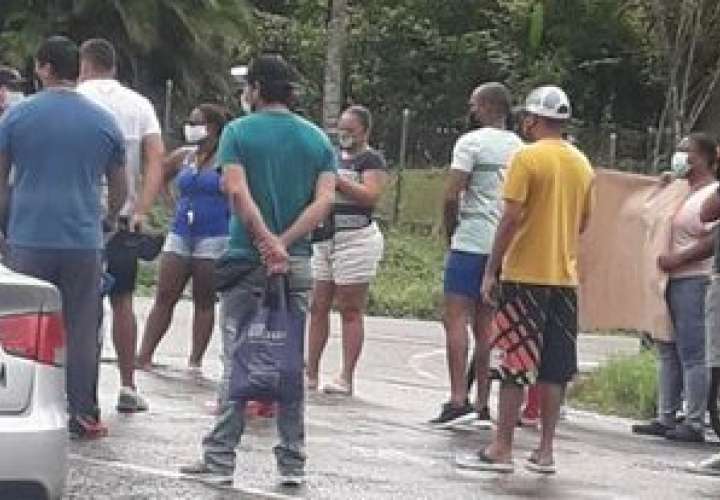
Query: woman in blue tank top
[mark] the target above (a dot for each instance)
(198, 235)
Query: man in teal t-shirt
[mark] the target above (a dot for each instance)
(282, 156)
(279, 173)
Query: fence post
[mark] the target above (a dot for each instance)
(168, 105)
(401, 165)
(613, 150)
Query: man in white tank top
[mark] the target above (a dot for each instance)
(138, 122)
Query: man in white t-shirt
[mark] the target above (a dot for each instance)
(471, 215)
(144, 145)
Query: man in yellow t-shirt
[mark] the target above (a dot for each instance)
(548, 198)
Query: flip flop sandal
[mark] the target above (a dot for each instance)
(533, 465)
(481, 462)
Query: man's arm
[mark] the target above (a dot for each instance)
(509, 223)
(456, 183)
(153, 153)
(271, 248)
(314, 213)
(243, 205)
(588, 208)
(117, 192)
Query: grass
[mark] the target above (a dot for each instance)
(625, 386)
(409, 283)
(147, 278)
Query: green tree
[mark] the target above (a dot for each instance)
(188, 41)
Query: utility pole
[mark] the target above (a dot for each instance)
(334, 64)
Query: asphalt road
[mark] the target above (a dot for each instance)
(376, 445)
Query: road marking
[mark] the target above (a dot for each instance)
(416, 361)
(173, 475)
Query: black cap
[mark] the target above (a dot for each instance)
(9, 76)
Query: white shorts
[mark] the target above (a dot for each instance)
(212, 247)
(350, 257)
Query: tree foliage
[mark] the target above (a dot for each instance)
(610, 55)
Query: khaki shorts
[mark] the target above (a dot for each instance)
(350, 257)
(712, 323)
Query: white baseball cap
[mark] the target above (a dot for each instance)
(549, 102)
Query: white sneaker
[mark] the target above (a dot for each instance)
(338, 387)
(129, 401)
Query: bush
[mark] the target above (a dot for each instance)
(409, 282)
(625, 386)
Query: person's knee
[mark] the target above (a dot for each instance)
(122, 303)
(204, 300)
(351, 313)
(166, 297)
(320, 306)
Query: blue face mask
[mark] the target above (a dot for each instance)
(679, 165)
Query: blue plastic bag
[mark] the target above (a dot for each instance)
(268, 355)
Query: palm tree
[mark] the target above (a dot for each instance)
(186, 40)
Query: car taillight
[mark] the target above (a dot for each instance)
(40, 337)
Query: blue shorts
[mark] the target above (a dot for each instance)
(464, 273)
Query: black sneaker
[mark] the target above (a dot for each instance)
(451, 415)
(685, 433)
(654, 428)
(291, 478)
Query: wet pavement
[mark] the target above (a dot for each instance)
(376, 445)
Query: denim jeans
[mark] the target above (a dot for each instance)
(682, 367)
(237, 307)
(712, 326)
(76, 274)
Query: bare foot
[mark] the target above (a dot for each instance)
(143, 365)
(494, 453)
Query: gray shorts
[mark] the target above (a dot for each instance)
(712, 323)
(211, 248)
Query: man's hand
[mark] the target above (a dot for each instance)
(490, 290)
(274, 255)
(669, 262)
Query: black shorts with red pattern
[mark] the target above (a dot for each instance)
(535, 333)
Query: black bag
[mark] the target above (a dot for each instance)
(141, 245)
(325, 231)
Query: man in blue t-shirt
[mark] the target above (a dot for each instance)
(61, 147)
(279, 173)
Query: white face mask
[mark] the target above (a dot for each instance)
(346, 141)
(680, 165)
(195, 134)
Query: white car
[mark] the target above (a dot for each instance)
(33, 408)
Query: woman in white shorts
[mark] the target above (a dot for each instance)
(346, 261)
(198, 236)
